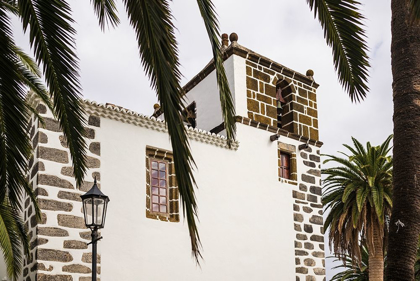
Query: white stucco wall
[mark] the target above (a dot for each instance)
(246, 214)
(239, 90)
(205, 94)
(3, 275)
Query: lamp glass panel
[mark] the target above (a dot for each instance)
(98, 211)
(104, 213)
(88, 208)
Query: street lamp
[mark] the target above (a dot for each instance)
(94, 209)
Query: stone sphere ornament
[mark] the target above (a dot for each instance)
(233, 37)
(309, 72)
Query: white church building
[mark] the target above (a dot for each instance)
(260, 210)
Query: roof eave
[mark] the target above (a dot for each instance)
(236, 49)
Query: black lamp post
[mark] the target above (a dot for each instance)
(94, 209)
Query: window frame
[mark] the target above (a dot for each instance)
(289, 149)
(283, 167)
(158, 186)
(172, 193)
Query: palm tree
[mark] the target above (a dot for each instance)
(405, 60)
(361, 272)
(352, 272)
(417, 264)
(358, 196)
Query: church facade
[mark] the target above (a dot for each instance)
(260, 210)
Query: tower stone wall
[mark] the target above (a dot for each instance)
(299, 113)
(58, 241)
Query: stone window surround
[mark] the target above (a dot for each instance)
(291, 150)
(172, 189)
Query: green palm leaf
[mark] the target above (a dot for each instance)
(12, 238)
(343, 31)
(10, 5)
(347, 192)
(377, 203)
(106, 12)
(361, 198)
(52, 37)
(31, 76)
(228, 110)
(15, 147)
(152, 22)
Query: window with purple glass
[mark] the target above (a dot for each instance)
(162, 196)
(159, 186)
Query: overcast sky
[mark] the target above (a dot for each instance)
(283, 30)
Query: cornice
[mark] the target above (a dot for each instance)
(134, 118)
(130, 117)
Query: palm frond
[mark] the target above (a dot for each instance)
(152, 22)
(106, 11)
(351, 272)
(12, 238)
(27, 61)
(15, 147)
(343, 31)
(52, 37)
(10, 5)
(228, 110)
(31, 76)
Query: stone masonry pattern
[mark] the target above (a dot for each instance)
(308, 220)
(299, 114)
(58, 241)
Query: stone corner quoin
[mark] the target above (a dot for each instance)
(62, 221)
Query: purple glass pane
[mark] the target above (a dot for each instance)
(162, 175)
(163, 191)
(154, 173)
(162, 183)
(162, 200)
(163, 208)
(155, 182)
(154, 165)
(155, 199)
(155, 208)
(155, 190)
(162, 166)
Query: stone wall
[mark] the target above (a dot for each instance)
(59, 249)
(299, 113)
(307, 207)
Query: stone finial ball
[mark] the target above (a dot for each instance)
(309, 72)
(225, 36)
(233, 37)
(156, 106)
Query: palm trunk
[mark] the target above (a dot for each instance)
(376, 257)
(405, 222)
